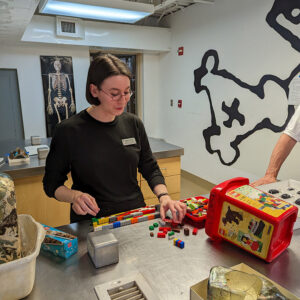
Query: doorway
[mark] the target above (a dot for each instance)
(132, 63)
(11, 122)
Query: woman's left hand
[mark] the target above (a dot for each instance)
(177, 208)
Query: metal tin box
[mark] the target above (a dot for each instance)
(103, 248)
(42, 152)
(35, 140)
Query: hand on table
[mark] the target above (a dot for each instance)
(177, 208)
(84, 203)
(264, 180)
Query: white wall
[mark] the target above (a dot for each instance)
(151, 95)
(26, 59)
(102, 34)
(248, 48)
(40, 39)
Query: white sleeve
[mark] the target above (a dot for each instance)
(293, 127)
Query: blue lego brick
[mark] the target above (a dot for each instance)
(116, 224)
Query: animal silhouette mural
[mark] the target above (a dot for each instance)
(248, 108)
(288, 12)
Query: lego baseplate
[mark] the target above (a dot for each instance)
(287, 190)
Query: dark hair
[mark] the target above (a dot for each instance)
(102, 67)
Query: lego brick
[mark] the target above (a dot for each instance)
(108, 226)
(136, 214)
(151, 234)
(103, 220)
(112, 219)
(178, 243)
(155, 224)
(150, 217)
(186, 231)
(161, 235)
(97, 228)
(148, 211)
(161, 223)
(156, 215)
(195, 230)
(142, 218)
(151, 227)
(125, 222)
(116, 224)
(134, 220)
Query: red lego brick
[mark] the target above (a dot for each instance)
(195, 230)
(161, 235)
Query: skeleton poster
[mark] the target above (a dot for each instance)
(58, 88)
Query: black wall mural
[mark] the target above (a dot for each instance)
(233, 113)
(207, 68)
(290, 10)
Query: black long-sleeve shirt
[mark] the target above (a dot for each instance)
(103, 159)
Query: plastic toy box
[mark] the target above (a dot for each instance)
(196, 215)
(59, 243)
(252, 219)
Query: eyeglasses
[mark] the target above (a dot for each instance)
(117, 97)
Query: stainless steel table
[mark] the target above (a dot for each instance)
(169, 270)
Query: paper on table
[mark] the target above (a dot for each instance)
(32, 150)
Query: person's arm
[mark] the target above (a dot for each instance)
(150, 170)
(280, 152)
(177, 208)
(56, 170)
(82, 203)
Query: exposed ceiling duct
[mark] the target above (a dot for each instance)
(15, 15)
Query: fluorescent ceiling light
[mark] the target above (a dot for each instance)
(106, 10)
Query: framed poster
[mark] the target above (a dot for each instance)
(58, 88)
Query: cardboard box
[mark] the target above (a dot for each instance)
(199, 290)
(59, 243)
(18, 161)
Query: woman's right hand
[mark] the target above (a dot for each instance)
(84, 203)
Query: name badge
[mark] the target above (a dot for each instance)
(129, 141)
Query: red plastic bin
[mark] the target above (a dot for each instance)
(250, 218)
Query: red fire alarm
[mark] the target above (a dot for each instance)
(180, 51)
(179, 103)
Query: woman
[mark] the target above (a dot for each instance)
(103, 147)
